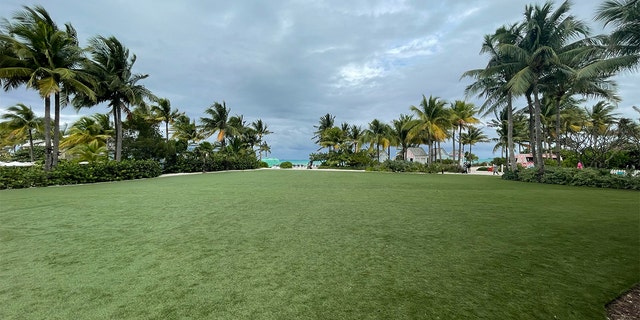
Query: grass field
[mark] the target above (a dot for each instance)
(300, 244)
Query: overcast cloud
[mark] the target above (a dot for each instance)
(289, 62)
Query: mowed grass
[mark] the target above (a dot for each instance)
(305, 244)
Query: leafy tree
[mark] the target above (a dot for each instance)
(473, 136)
(433, 122)
(326, 122)
(378, 134)
(462, 116)
(623, 15)
(114, 82)
(22, 121)
(46, 59)
(401, 133)
(218, 121)
(163, 111)
(94, 131)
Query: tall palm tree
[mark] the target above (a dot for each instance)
(378, 134)
(22, 121)
(462, 115)
(260, 128)
(473, 136)
(186, 130)
(433, 122)
(115, 83)
(545, 33)
(332, 138)
(326, 122)
(217, 122)
(492, 81)
(624, 16)
(401, 132)
(163, 111)
(45, 58)
(355, 135)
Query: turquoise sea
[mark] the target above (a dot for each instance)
(275, 161)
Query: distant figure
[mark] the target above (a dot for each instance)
(495, 169)
(580, 166)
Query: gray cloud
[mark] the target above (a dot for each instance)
(290, 62)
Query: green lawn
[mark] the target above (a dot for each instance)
(299, 244)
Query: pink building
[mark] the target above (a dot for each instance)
(526, 159)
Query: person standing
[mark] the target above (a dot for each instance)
(580, 166)
(494, 169)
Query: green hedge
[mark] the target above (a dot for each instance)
(286, 165)
(73, 173)
(213, 162)
(575, 177)
(408, 166)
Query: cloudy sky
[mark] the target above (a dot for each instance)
(289, 62)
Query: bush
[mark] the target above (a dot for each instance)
(286, 165)
(575, 177)
(264, 164)
(66, 173)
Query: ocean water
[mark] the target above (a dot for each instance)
(296, 162)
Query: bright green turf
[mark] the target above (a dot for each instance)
(288, 244)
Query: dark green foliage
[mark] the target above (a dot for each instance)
(286, 165)
(482, 169)
(264, 164)
(22, 155)
(66, 173)
(408, 166)
(195, 162)
(574, 177)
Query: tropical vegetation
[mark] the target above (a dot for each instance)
(36, 53)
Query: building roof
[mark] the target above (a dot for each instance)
(417, 151)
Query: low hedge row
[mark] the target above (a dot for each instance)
(575, 177)
(408, 166)
(66, 173)
(213, 162)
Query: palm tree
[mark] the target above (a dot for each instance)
(492, 81)
(218, 121)
(355, 136)
(462, 115)
(545, 33)
(624, 16)
(261, 129)
(326, 122)
(473, 136)
(46, 59)
(433, 122)
(401, 133)
(115, 83)
(94, 130)
(22, 121)
(378, 135)
(186, 130)
(163, 111)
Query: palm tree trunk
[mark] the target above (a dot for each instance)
(532, 131)
(558, 131)
(510, 146)
(56, 130)
(166, 128)
(538, 130)
(459, 144)
(47, 133)
(31, 145)
(453, 144)
(117, 118)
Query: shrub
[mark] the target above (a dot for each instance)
(575, 177)
(263, 164)
(74, 173)
(286, 165)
